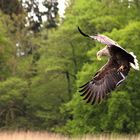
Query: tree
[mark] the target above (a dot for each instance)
(12, 102)
(10, 8)
(35, 15)
(7, 61)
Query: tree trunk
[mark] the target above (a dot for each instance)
(68, 84)
(74, 59)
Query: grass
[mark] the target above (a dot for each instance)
(48, 136)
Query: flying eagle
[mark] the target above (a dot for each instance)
(112, 74)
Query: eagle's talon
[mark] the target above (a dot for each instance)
(121, 68)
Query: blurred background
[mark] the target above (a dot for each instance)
(44, 59)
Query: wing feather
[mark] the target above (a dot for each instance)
(94, 93)
(86, 93)
(94, 98)
(105, 81)
(104, 40)
(89, 97)
(103, 90)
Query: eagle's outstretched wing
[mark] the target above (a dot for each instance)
(101, 38)
(103, 82)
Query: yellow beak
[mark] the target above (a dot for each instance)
(99, 58)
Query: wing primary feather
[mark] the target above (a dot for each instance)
(98, 97)
(93, 98)
(84, 85)
(101, 92)
(87, 95)
(84, 88)
(107, 85)
(82, 32)
(112, 82)
(85, 92)
(104, 89)
(94, 93)
(90, 96)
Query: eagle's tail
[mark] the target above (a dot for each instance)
(134, 65)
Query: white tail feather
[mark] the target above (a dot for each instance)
(136, 65)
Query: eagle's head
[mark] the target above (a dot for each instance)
(103, 52)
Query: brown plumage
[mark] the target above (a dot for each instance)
(112, 74)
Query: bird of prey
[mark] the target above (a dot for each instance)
(112, 74)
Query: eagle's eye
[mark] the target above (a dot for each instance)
(98, 54)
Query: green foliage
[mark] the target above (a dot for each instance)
(6, 50)
(13, 93)
(10, 8)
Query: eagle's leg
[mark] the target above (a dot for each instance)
(123, 78)
(120, 70)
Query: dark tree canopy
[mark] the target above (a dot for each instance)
(35, 14)
(11, 7)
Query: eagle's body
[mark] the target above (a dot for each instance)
(112, 74)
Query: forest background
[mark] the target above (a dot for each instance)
(42, 64)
